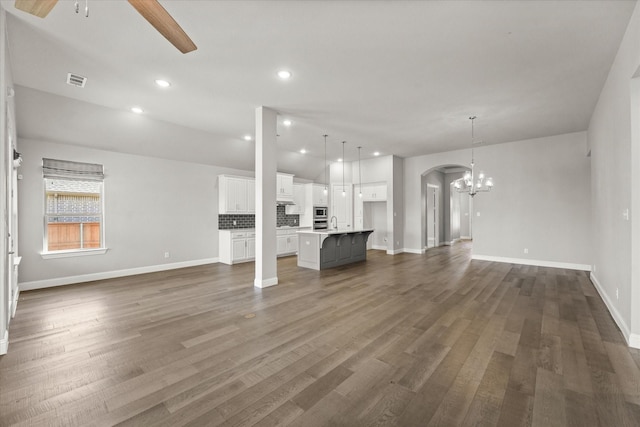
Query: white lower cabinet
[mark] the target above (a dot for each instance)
(240, 246)
(236, 246)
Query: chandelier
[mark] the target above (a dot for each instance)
(468, 183)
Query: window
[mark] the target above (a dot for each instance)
(73, 206)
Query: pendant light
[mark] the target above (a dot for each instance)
(468, 183)
(326, 189)
(359, 173)
(344, 192)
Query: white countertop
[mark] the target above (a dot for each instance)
(284, 227)
(335, 231)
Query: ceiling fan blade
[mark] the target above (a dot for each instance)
(39, 8)
(157, 16)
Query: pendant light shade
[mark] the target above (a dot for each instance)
(359, 174)
(326, 183)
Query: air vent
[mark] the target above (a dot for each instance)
(76, 80)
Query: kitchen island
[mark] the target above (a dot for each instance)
(320, 250)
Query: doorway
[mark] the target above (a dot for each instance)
(432, 208)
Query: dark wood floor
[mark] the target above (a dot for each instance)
(405, 340)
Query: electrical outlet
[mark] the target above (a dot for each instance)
(594, 268)
(167, 254)
(526, 251)
(477, 213)
(617, 295)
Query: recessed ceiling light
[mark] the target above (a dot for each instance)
(162, 83)
(137, 110)
(376, 153)
(339, 160)
(247, 138)
(284, 74)
(287, 122)
(303, 151)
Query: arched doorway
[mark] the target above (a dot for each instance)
(446, 214)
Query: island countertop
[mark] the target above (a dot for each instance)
(330, 231)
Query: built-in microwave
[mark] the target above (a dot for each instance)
(319, 212)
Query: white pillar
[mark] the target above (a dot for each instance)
(266, 169)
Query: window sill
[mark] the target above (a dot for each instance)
(73, 253)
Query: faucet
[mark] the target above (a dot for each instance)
(331, 222)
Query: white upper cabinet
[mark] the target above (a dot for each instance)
(236, 195)
(319, 197)
(284, 187)
(299, 200)
(373, 192)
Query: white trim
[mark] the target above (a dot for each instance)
(265, 283)
(69, 280)
(73, 253)
(379, 247)
(633, 340)
(536, 262)
(15, 301)
(4, 343)
(414, 251)
(394, 251)
(465, 238)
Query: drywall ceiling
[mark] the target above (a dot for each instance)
(398, 77)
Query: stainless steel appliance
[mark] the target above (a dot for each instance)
(320, 220)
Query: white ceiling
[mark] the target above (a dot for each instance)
(399, 77)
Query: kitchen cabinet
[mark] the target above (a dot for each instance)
(236, 246)
(299, 200)
(319, 198)
(284, 187)
(376, 192)
(287, 242)
(236, 195)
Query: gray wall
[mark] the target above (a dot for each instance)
(541, 199)
(151, 206)
(615, 153)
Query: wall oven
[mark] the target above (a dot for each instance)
(320, 220)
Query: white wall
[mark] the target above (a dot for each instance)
(540, 201)
(615, 166)
(151, 206)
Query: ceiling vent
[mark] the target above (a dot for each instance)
(76, 80)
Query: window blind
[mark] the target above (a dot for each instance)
(52, 168)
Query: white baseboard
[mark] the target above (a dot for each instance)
(633, 340)
(536, 262)
(379, 247)
(15, 302)
(69, 280)
(4, 343)
(414, 251)
(465, 237)
(265, 283)
(394, 251)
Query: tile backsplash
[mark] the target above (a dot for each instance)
(225, 221)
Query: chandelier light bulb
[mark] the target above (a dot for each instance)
(481, 176)
(489, 182)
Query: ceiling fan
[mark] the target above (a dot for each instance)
(150, 10)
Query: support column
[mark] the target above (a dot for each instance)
(266, 169)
